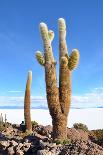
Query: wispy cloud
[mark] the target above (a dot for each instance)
(14, 91)
(36, 101)
(90, 99)
(93, 98)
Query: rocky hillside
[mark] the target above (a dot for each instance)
(15, 142)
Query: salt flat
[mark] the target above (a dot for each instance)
(92, 117)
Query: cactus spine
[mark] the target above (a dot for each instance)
(27, 115)
(58, 99)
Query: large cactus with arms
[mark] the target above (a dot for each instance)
(27, 115)
(58, 99)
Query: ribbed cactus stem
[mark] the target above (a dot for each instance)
(73, 59)
(47, 43)
(27, 115)
(40, 58)
(62, 37)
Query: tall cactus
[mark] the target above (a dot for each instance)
(27, 115)
(58, 99)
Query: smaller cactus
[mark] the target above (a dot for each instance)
(27, 102)
(1, 122)
(5, 119)
(40, 58)
(1, 118)
(73, 59)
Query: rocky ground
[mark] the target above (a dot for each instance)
(14, 142)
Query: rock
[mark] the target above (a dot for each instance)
(25, 149)
(42, 144)
(11, 150)
(19, 152)
(13, 143)
(43, 130)
(26, 140)
(26, 144)
(43, 152)
(74, 134)
(44, 138)
(2, 137)
(82, 148)
(4, 143)
(20, 145)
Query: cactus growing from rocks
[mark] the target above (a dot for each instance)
(58, 99)
(27, 115)
(5, 119)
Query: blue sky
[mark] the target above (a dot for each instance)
(20, 38)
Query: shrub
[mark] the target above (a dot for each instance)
(26, 133)
(63, 142)
(34, 123)
(80, 126)
(2, 127)
(97, 136)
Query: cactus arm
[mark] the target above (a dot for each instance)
(62, 38)
(73, 59)
(51, 35)
(49, 58)
(40, 58)
(50, 73)
(27, 115)
(64, 73)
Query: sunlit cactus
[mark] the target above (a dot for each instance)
(51, 35)
(40, 58)
(59, 99)
(73, 59)
(27, 115)
(63, 62)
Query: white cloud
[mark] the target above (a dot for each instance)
(93, 98)
(36, 101)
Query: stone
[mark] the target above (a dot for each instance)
(4, 143)
(11, 150)
(43, 152)
(19, 152)
(13, 143)
(26, 145)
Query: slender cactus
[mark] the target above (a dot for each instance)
(58, 99)
(1, 122)
(5, 119)
(1, 118)
(27, 115)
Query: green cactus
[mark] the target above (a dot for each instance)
(58, 99)
(27, 115)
